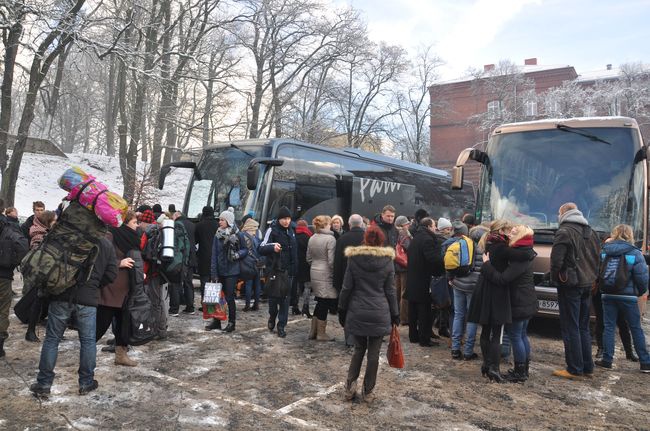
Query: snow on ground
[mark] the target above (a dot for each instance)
(39, 175)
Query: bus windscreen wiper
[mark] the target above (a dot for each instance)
(581, 132)
(242, 150)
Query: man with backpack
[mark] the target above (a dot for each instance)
(187, 283)
(574, 268)
(13, 247)
(176, 270)
(81, 300)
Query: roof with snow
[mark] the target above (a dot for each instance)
(599, 75)
(526, 69)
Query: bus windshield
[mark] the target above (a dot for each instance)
(532, 173)
(223, 183)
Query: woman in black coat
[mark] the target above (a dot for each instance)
(490, 306)
(203, 237)
(518, 278)
(368, 306)
(424, 261)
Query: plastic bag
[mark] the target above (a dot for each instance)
(394, 353)
(214, 302)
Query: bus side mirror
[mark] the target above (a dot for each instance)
(253, 171)
(457, 178)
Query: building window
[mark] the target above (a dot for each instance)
(494, 109)
(531, 108)
(553, 108)
(615, 108)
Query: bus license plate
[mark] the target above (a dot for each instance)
(545, 304)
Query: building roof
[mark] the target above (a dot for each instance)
(526, 69)
(599, 75)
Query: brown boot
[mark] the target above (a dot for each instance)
(121, 357)
(321, 334)
(313, 329)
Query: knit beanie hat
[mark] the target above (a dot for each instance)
(284, 213)
(443, 223)
(460, 228)
(147, 217)
(208, 212)
(401, 221)
(228, 217)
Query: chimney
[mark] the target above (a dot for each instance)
(609, 67)
(488, 67)
(530, 62)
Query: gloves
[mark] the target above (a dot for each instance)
(394, 320)
(342, 314)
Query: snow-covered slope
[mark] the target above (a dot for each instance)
(39, 175)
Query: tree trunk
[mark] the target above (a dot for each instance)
(11, 49)
(111, 109)
(206, 137)
(56, 94)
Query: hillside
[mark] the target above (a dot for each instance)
(39, 174)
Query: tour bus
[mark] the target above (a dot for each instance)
(258, 177)
(530, 169)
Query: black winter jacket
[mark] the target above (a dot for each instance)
(368, 296)
(302, 240)
(575, 244)
(351, 238)
(390, 231)
(203, 236)
(103, 273)
(190, 228)
(287, 239)
(518, 279)
(490, 303)
(425, 260)
(18, 244)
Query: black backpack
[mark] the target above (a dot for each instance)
(13, 245)
(613, 274)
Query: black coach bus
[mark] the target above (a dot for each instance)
(258, 177)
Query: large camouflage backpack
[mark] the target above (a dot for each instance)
(67, 253)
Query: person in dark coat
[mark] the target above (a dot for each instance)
(203, 236)
(425, 260)
(81, 300)
(386, 221)
(351, 238)
(490, 305)
(303, 277)
(188, 287)
(518, 278)
(280, 247)
(417, 218)
(368, 306)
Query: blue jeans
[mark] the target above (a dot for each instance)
(517, 333)
(59, 313)
(628, 307)
(574, 324)
(252, 289)
(461, 306)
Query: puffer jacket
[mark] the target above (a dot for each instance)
(286, 237)
(468, 283)
(320, 255)
(575, 244)
(222, 265)
(368, 295)
(637, 283)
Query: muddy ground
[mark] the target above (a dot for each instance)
(251, 379)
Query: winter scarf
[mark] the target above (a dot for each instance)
(495, 238)
(526, 241)
(36, 233)
(573, 216)
(250, 227)
(305, 230)
(125, 238)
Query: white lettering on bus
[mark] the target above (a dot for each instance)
(377, 186)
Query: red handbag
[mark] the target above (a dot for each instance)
(394, 352)
(401, 258)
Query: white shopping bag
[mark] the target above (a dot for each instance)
(212, 293)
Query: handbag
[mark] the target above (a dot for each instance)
(214, 302)
(401, 258)
(212, 293)
(248, 267)
(394, 352)
(277, 281)
(439, 289)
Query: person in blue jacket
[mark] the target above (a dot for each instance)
(228, 247)
(620, 292)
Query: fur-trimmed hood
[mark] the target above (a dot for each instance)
(366, 250)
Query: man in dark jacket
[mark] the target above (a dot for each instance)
(204, 236)
(574, 268)
(82, 300)
(417, 218)
(188, 287)
(425, 260)
(17, 246)
(386, 221)
(38, 207)
(351, 238)
(280, 245)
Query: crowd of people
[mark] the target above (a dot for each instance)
(441, 278)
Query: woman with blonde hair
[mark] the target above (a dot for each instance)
(337, 226)
(517, 278)
(622, 279)
(320, 255)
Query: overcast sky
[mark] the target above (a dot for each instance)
(587, 34)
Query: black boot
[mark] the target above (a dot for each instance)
(2, 347)
(484, 369)
(215, 324)
(295, 310)
(518, 375)
(230, 327)
(526, 369)
(305, 311)
(629, 354)
(31, 333)
(494, 375)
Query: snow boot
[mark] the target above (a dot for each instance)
(518, 375)
(215, 324)
(321, 328)
(121, 357)
(313, 331)
(30, 335)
